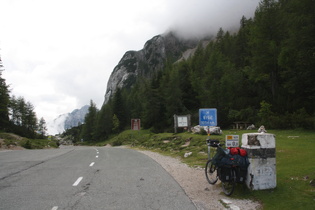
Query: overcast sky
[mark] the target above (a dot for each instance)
(59, 54)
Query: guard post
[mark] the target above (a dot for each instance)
(261, 152)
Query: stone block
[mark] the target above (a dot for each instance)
(261, 152)
(261, 174)
(258, 140)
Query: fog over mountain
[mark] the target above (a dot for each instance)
(196, 19)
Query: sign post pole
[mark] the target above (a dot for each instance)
(208, 138)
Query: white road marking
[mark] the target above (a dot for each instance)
(96, 156)
(92, 164)
(54, 208)
(78, 181)
(97, 152)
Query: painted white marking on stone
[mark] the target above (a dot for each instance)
(96, 156)
(78, 181)
(92, 164)
(54, 208)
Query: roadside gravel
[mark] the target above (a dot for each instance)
(195, 185)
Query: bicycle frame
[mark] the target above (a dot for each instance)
(211, 143)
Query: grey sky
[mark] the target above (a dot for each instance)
(59, 54)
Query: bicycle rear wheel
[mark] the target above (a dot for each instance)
(228, 186)
(211, 172)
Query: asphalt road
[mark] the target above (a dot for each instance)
(86, 178)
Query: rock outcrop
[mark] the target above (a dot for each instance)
(76, 117)
(148, 61)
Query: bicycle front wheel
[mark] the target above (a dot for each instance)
(228, 186)
(211, 172)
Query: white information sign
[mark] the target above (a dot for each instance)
(231, 140)
(182, 121)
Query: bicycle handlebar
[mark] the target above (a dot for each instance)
(213, 143)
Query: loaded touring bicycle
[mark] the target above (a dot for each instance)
(229, 165)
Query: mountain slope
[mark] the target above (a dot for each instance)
(67, 121)
(148, 61)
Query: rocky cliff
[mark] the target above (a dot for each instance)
(148, 61)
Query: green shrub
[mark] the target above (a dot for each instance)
(117, 142)
(27, 145)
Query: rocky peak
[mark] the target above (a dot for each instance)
(147, 61)
(76, 117)
(67, 121)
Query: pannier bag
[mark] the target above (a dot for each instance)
(221, 153)
(237, 151)
(225, 173)
(241, 174)
(225, 159)
(240, 161)
(243, 152)
(234, 150)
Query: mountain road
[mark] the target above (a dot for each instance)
(86, 178)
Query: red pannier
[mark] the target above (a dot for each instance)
(234, 150)
(243, 152)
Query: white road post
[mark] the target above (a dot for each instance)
(261, 151)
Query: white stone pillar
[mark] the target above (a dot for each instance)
(261, 151)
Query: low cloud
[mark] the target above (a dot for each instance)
(204, 17)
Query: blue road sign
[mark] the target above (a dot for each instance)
(208, 117)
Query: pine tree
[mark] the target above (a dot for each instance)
(173, 95)
(30, 119)
(297, 56)
(42, 127)
(89, 127)
(119, 109)
(4, 101)
(265, 39)
(23, 117)
(241, 50)
(104, 122)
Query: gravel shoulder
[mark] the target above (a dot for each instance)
(195, 185)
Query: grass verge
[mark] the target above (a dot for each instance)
(11, 141)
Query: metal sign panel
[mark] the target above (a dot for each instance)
(182, 121)
(135, 124)
(231, 140)
(208, 117)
